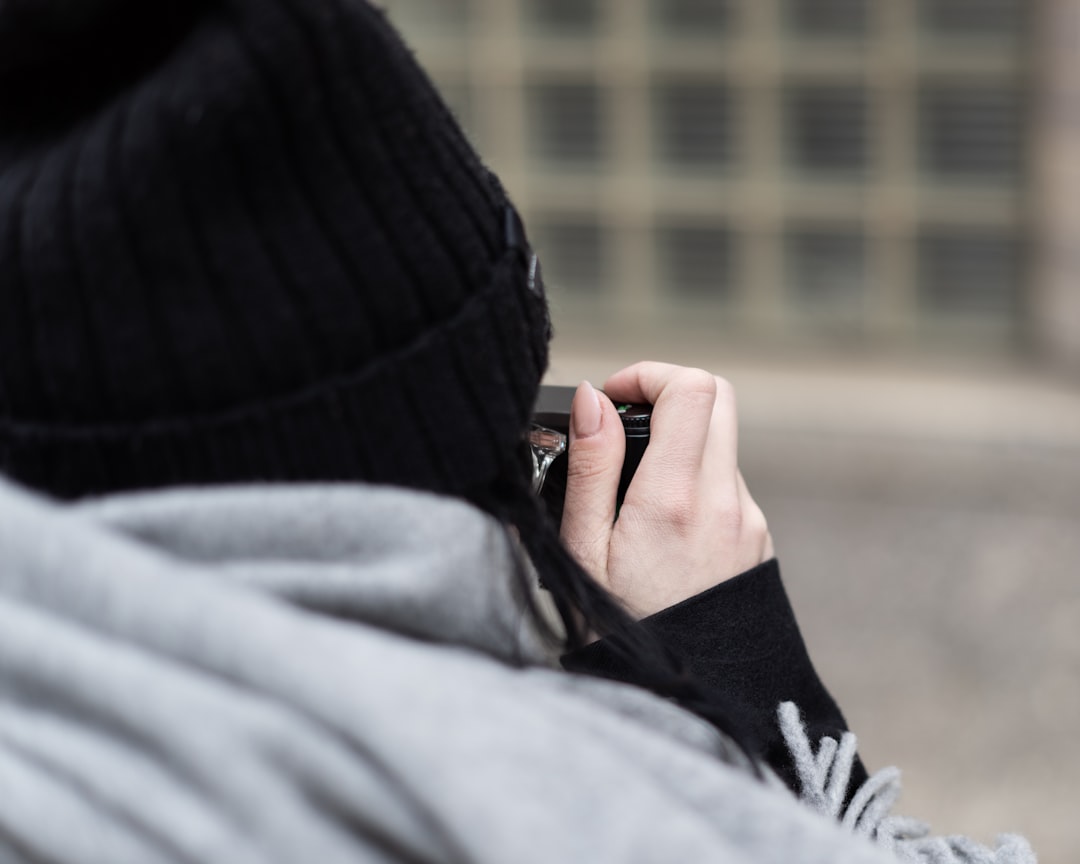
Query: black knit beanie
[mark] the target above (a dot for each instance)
(244, 240)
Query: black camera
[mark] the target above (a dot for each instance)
(552, 412)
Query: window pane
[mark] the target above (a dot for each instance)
(692, 123)
(573, 252)
(968, 271)
(693, 17)
(827, 128)
(828, 17)
(970, 130)
(565, 123)
(696, 260)
(827, 268)
(965, 18)
(565, 17)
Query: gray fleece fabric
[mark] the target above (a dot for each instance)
(346, 674)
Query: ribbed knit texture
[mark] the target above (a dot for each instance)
(245, 240)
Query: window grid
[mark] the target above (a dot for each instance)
(828, 18)
(693, 18)
(622, 120)
(827, 269)
(566, 125)
(692, 123)
(574, 251)
(973, 18)
(970, 130)
(562, 17)
(827, 126)
(967, 271)
(696, 259)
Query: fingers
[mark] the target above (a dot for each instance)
(684, 404)
(688, 521)
(645, 381)
(597, 446)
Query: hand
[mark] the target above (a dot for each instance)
(688, 521)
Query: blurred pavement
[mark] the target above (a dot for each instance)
(928, 525)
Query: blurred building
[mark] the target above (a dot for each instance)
(802, 172)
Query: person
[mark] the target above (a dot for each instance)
(271, 339)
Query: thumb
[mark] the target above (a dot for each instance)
(595, 457)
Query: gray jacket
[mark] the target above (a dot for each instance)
(346, 674)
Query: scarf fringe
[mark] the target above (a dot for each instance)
(824, 777)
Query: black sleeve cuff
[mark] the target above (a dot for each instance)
(741, 639)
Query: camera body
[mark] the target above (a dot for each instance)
(553, 411)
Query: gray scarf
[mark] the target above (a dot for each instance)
(344, 674)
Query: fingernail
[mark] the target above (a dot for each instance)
(585, 412)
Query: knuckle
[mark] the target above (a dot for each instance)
(735, 518)
(586, 548)
(586, 464)
(693, 388)
(679, 512)
(697, 382)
